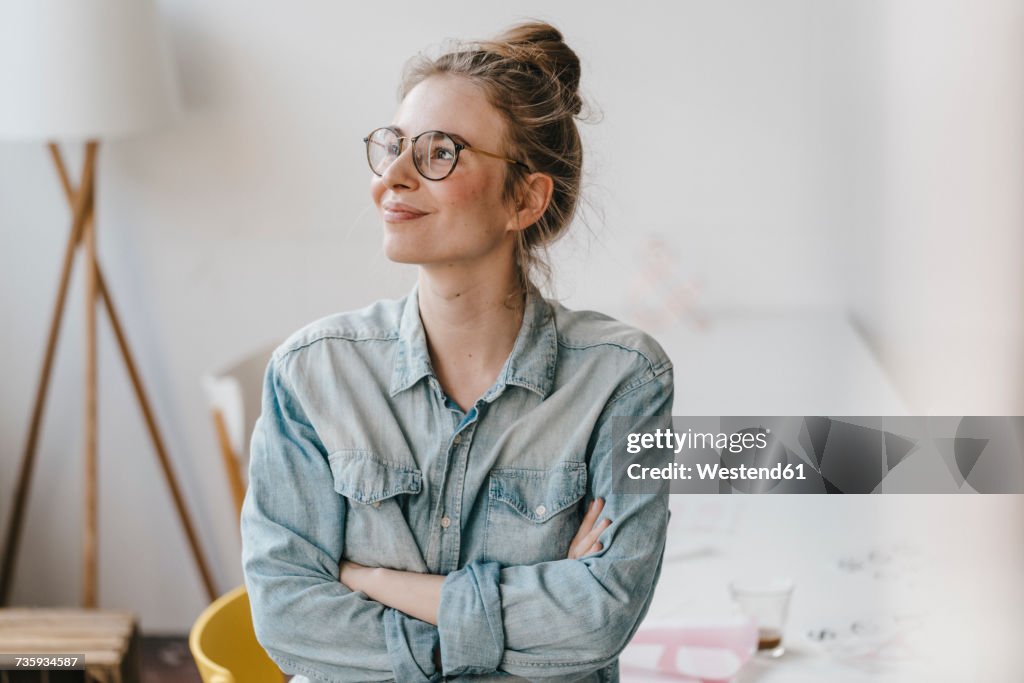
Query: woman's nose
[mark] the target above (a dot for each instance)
(401, 172)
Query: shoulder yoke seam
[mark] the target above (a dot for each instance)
(651, 365)
(640, 381)
(299, 345)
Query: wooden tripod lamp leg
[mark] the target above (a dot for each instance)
(90, 517)
(81, 203)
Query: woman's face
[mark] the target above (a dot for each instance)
(461, 220)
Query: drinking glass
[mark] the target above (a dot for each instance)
(767, 601)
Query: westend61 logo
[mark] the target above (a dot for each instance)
(813, 454)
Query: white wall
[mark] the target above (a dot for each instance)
(938, 283)
(784, 152)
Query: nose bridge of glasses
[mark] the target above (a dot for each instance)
(391, 159)
(405, 142)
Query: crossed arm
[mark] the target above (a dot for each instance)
(419, 595)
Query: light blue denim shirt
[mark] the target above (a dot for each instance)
(358, 454)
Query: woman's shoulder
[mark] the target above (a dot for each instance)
(595, 332)
(378, 321)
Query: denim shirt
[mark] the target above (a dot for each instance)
(358, 454)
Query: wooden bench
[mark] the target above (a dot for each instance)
(109, 641)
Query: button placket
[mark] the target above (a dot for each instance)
(455, 480)
(446, 521)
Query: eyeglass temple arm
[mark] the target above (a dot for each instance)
(498, 156)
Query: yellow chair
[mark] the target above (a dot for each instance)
(224, 644)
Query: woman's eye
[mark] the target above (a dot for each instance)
(393, 150)
(443, 154)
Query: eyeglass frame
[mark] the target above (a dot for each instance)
(459, 146)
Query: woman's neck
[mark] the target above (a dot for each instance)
(471, 325)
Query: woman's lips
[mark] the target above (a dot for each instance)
(396, 215)
(395, 212)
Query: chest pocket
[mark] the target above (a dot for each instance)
(360, 476)
(532, 515)
(377, 532)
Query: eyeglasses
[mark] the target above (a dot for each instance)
(434, 153)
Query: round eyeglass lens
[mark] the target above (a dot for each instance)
(434, 154)
(381, 149)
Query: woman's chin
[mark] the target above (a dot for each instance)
(407, 261)
(416, 249)
(397, 252)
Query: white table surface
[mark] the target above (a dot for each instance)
(935, 584)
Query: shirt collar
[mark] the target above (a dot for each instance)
(530, 365)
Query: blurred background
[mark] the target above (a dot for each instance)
(816, 207)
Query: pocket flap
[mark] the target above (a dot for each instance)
(538, 495)
(359, 475)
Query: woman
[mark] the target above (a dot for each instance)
(430, 484)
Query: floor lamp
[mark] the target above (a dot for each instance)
(84, 70)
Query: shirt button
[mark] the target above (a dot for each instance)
(376, 503)
(540, 510)
(457, 439)
(445, 521)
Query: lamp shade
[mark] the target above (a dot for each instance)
(81, 69)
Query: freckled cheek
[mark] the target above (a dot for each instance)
(471, 199)
(461, 194)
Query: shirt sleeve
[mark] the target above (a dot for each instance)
(567, 617)
(293, 526)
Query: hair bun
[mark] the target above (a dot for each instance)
(541, 45)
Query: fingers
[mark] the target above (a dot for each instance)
(593, 511)
(589, 543)
(587, 524)
(585, 541)
(591, 538)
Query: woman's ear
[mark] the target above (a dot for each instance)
(533, 200)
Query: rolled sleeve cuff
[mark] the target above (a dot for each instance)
(469, 620)
(411, 644)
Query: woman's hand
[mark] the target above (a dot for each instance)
(585, 541)
(353, 575)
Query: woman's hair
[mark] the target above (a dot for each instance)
(531, 76)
